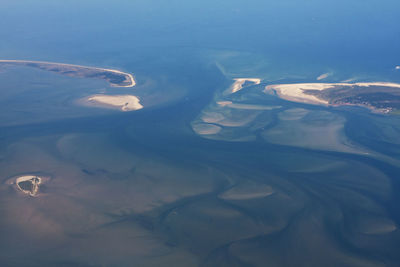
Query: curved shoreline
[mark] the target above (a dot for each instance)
(129, 80)
(238, 84)
(35, 186)
(36, 181)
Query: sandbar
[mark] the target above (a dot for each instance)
(122, 102)
(230, 104)
(238, 84)
(323, 76)
(206, 129)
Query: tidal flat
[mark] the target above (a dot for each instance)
(201, 175)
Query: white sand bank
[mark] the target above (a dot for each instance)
(247, 191)
(238, 84)
(294, 92)
(123, 102)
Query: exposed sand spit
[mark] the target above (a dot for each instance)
(323, 76)
(238, 84)
(78, 71)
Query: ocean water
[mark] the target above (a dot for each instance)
(143, 189)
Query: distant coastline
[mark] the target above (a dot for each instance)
(114, 77)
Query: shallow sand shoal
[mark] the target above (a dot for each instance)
(294, 92)
(323, 76)
(245, 192)
(230, 104)
(206, 129)
(385, 84)
(124, 102)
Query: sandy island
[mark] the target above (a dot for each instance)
(238, 84)
(295, 92)
(35, 181)
(114, 77)
(28, 184)
(122, 102)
